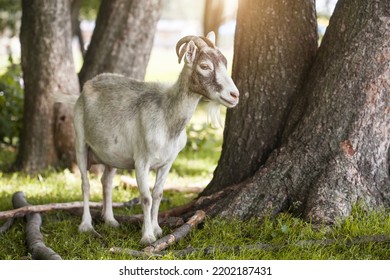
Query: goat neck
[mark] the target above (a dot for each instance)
(182, 103)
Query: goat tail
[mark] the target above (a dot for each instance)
(68, 99)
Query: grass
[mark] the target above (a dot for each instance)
(282, 231)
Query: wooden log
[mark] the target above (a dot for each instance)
(34, 237)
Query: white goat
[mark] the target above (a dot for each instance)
(127, 124)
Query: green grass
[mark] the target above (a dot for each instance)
(194, 166)
(283, 231)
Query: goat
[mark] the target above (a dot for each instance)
(128, 124)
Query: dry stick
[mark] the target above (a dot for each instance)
(34, 237)
(20, 212)
(177, 211)
(7, 225)
(134, 253)
(171, 222)
(166, 241)
(178, 234)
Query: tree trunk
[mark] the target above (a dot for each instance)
(47, 65)
(213, 16)
(122, 39)
(336, 149)
(275, 43)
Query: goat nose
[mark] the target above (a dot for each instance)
(234, 94)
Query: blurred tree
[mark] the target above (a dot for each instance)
(311, 133)
(119, 44)
(122, 39)
(213, 16)
(47, 64)
(76, 28)
(10, 16)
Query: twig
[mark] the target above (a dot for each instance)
(34, 237)
(171, 222)
(20, 212)
(154, 250)
(177, 211)
(129, 182)
(178, 234)
(381, 238)
(133, 253)
(7, 225)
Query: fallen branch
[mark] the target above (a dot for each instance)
(133, 253)
(166, 241)
(129, 182)
(177, 211)
(168, 221)
(20, 212)
(34, 237)
(178, 234)
(257, 247)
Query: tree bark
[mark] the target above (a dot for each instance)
(275, 43)
(117, 44)
(47, 65)
(336, 149)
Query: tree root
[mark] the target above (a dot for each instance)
(34, 237)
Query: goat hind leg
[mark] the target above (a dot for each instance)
(82, 155)
(142, 171)
(106, 180)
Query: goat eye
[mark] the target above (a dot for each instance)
(205, 67)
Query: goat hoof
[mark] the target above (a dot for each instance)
(86, 227)
(157, 232)
(112, 223)
(147, 239)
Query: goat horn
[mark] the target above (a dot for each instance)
(182, 51)
(201, 42)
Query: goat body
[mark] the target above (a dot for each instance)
(125, 121)
(127, 124)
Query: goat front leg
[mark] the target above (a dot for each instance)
(161, 177)
(142, 171)
(106, 180)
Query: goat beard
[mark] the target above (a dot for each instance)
(214, 114)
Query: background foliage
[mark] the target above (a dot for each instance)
(11, 105)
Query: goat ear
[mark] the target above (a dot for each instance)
(190, 53)
(211, 37)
